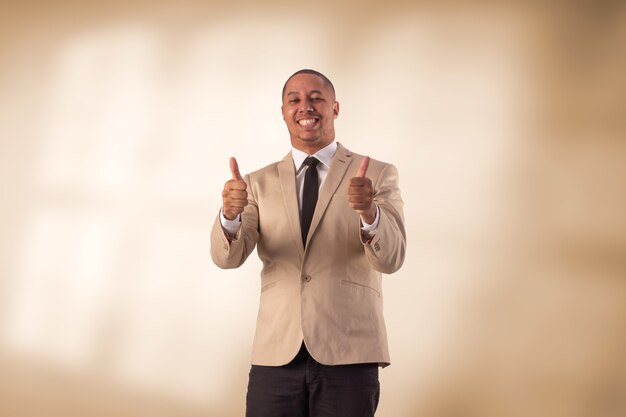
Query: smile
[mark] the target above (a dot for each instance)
(307, 122)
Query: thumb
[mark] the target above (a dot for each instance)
(365, 162)
(234, 169)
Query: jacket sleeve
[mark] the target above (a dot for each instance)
(386, 251)
(227, 253)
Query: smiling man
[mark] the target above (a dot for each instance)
(309, 109)
(326, 224)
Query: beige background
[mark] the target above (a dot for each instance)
(507, 125)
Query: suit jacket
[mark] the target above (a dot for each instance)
(329, 292)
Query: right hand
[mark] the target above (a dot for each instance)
(361, 193)
(234, 196)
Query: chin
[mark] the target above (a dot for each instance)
(308, 141)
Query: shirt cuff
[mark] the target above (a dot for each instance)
(230, 227)
(369, 230)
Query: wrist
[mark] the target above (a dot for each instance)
(370, 216)
(229, 216)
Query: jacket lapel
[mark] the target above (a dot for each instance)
(287, 177)
(337, 170)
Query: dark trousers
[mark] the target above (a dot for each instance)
(306, 388)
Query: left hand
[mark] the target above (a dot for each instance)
(361, 193)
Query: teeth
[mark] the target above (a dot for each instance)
(306, 122)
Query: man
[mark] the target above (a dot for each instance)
(325, 229)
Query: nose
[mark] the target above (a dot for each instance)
(305, 107)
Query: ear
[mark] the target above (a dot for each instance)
(336, 108)
(282, 111)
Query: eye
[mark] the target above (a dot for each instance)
(316, 99)
(294, 100)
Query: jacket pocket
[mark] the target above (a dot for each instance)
(362, 287)
(268, 286)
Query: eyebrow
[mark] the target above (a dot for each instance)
(310, 92)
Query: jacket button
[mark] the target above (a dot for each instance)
(307, 278)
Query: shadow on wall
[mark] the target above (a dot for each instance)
(29, 390)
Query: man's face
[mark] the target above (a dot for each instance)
(309, 110)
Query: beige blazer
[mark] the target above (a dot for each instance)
(329, 293)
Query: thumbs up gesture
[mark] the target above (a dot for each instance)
(361, 193)
(234, 196)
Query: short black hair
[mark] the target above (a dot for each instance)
(324, 78)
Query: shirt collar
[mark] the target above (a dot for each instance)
(324, 155)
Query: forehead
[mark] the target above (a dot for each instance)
(305, 83)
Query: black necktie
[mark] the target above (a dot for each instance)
(309, 195)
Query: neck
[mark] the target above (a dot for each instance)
(309, 150)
